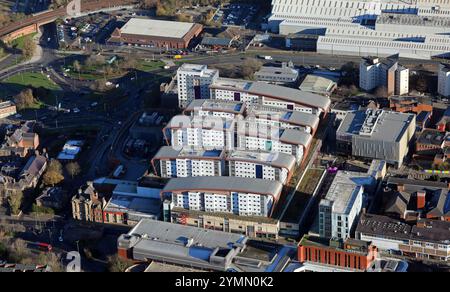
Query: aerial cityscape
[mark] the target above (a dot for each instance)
(248, 136)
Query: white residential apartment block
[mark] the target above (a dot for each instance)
(261, 165)
(173, 162)
(339, 210)
(215, 108)
(198, 82)
(254, 136)
(402, 80)
(193, 83)
(285, 119)
(444, 80)
(386, 74)
(200, 132)
(264, 94)
(232, 195)
(413, 29)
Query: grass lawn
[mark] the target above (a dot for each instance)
(148, 66)
(17, 83)
(32, 79)
(18, 43)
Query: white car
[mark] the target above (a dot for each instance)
(76, 110)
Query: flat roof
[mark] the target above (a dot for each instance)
(157, 28)
(134, 204)
(214, 105)
(269, 158)
(390, 126)
(225, 184)
(176, 234)
(431, 136)
(157, 267)
(169, 152)
(207, 122)
(344, 188)
(199, 69)
(288, 136)
(286, 72)
(290, 117)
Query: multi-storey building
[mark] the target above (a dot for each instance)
(199, 82)
(254, 136)
(350, 255)
(200, 132)
(260, 93)
(283, 118)
(215, 108)
(233, 195)
(174, 162)
(376, 134)
(412, 29)
(428, 240)
(193, 83)
(444, 80)
(339, 210)
(387, 75)
(262, 165)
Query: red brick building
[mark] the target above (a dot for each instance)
(352, 254)
(156, 33)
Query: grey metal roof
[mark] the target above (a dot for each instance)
(216, 105)
(291, 117)
(158, 28)
(269, 158)
(291, 95)
(390, 126)
(288, 136)
(214, 41)
(169, 152)
(175, 234)
(222, 183)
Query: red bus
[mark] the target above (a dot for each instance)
(41, 246)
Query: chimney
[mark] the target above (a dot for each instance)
(421, 200)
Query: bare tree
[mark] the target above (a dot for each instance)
(73, 169)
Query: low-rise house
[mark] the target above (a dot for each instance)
(52, 197)
(7, 108)
(427, 240)
(15, 179)
(20, 141)
(87, 204)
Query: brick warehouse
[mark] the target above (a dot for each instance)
(156, 33)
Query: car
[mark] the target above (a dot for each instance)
(94, 104)
(76, 110)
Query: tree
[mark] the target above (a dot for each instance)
(54, 174)
(24, 99)
(29, 47)
(249, 67)
(117, 265)
(77, 66)
(15, 202)
(73, 169)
